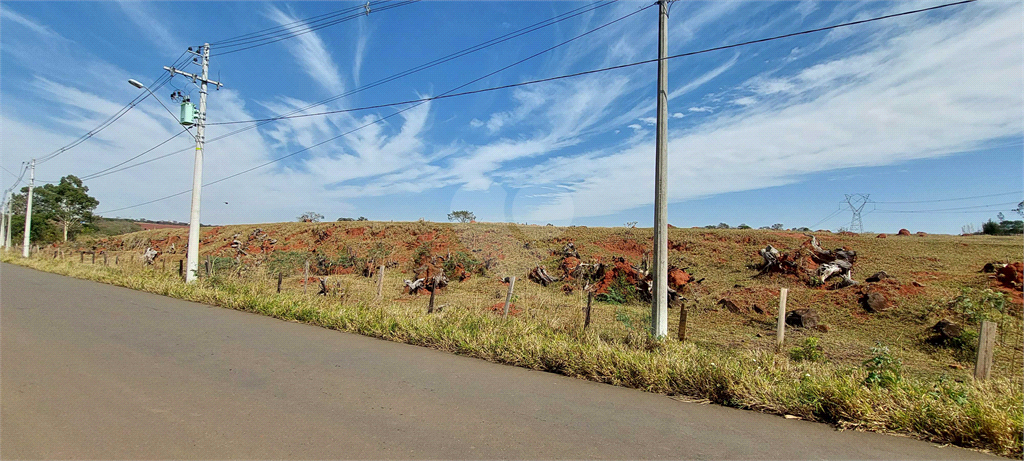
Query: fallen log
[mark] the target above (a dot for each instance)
(541, 276)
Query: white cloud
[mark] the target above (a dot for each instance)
(636, 127)
(700, 109)
(678, 115)
(311, 53)
(649, 120)
(744, 101)
(154, 29)
(7, 13)
(908, 98)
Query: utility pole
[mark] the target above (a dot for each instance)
(28, 210)
(10, 212)
(3, 224)
(659, 303)
(856, 225)
(6, 237)
(192, 271)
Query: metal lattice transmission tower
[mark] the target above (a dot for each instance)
(857, 203)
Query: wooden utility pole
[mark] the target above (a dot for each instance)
(508, 296)
(659, 303)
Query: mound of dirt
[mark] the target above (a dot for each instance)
(903, 232)
(1011, 275)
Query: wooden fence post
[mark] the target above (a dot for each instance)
(682, 323)
(54, 254)
(433, 289)
(590, 301)
(82, 258)
(380, 281)
(104, 258)
(305, 281)
(94, 257)
(280, 278)
(986, 348)
(781, 328)
(209, 265)
(181, 268)
(508, 296)
(116, 258)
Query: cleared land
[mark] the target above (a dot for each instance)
(729, 355)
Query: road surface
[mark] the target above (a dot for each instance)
(95, 371)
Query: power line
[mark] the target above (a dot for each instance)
(594, 71)
(948, 209)
(466, 51)
(305, 30)
(447, 95)
(957, 199)
(826, 218)
(110, 120)
(395, 113)
(304, 21)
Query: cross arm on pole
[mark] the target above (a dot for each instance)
(194, 77)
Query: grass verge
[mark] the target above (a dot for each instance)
(985, 415)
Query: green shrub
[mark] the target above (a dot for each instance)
(883, 368)
(809, 351)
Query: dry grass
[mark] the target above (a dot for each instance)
(728, 358)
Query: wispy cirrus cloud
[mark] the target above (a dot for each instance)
(155, 30)
(906, 98)
(311, 53)
(30, 24)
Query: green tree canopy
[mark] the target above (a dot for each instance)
(58, 210)
(461, 216)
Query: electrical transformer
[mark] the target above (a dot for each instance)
(188, 113)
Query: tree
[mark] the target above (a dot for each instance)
(58, 210)
(743, 226)
(68, 203)
(311, 216)
(777, 226)
(342, 219)
(461, 216)
(722, 225)
(362, 218)
(1020, 209)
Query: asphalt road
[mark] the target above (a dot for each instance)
(94, 371)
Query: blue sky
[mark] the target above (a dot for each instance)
(920, 108)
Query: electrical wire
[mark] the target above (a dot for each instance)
(159, 82)
(466, 51)
(595, 71)
(288, 25)
(956, 199)
(947, 209)
(826, 218)
(444, 95)
(381, 119)
(268, 40)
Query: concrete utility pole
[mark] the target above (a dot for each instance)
(3, 224)
(192, 271)
(6, 237)
(659, 303)
(10, 213)
(28, 210)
